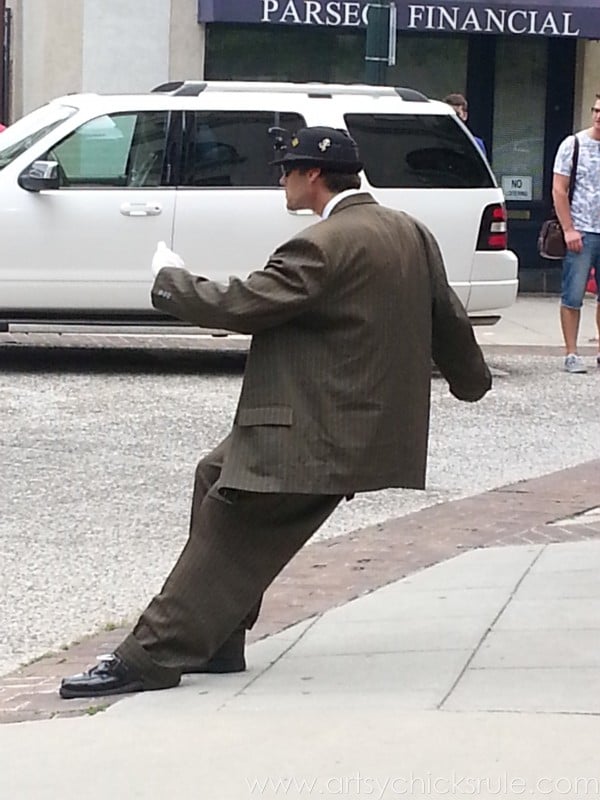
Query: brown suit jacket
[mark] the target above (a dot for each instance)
(346, 317)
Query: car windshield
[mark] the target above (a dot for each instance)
(17, 138)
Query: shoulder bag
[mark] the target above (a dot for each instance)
(551, 240)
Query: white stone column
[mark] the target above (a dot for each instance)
(125, 45)
(46, 51)
(65, 46)
(587, 81)
(187, 42)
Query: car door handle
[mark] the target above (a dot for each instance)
(141, 209)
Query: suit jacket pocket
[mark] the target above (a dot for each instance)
(265, 415)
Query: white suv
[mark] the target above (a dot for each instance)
(90, 183)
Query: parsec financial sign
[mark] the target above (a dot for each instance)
(573, 18)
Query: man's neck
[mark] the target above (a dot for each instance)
(334, 199)
(593, 133)
(322, 201)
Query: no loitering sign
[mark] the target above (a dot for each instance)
(517, 187)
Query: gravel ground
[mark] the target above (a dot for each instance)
(98, 451)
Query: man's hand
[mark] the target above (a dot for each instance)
(163, 257)
(573, 240)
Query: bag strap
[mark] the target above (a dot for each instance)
(573, 174)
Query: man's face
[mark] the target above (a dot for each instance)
(299, 187)
(461, 112)
(596, 118)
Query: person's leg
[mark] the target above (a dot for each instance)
(598, 324)
(230, 656)
(576, 268)
(238, 545)
(595, 261)
(207, 474)
(569, 320)
(239, 542)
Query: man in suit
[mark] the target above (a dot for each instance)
(345, 317)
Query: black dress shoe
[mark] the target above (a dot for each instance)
(111, 676)
(228, 658)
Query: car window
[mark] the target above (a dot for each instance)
(233, 148)
(418, 151)
(117, 150)
(28, 130)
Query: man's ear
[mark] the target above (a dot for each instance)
(313, 173)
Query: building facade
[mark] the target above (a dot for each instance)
(530, 68)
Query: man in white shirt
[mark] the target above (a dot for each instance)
(580, 220)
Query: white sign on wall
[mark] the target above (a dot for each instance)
(517, 187)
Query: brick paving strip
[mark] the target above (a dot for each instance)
(331, 572)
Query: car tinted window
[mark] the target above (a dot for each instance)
(114, 150)
(417, 151)
(233, 148)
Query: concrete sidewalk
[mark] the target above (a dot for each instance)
(479, 676)
(533, 321)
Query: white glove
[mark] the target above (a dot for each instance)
(163, 257)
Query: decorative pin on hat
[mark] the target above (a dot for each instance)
(331, 149)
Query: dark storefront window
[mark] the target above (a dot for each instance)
(434, 65)
(284, 53)
(519, 115)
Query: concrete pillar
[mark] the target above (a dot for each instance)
(106, 46)
(47, 51)
(187, 42)
(125, 45)
(587, 81)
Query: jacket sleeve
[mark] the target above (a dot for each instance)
(454, 347)
(293, 278)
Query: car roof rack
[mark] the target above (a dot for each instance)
(181, 88)
(194, 88)
(412, 95)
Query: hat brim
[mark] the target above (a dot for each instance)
(309, 161)
(288, 159)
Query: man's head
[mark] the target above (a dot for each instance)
(319, 163)
(459, 104)
(595, 129)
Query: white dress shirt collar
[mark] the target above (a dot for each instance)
(336, 199)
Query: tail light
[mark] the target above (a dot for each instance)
(493, 231)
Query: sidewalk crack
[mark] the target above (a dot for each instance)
(490, 628)
(272, 663)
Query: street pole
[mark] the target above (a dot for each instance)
(380, 51)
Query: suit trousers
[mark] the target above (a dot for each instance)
(238, 543)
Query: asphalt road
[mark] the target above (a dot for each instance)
(98, 447)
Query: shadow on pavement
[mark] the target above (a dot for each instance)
(24, 358)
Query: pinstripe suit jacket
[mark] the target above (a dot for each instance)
(346, 317)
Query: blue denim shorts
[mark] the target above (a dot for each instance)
(576, 270)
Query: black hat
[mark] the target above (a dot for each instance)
(331, 148)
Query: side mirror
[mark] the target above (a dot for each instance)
(40, 175)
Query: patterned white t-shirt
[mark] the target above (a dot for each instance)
(585, 207)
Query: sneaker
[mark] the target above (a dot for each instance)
(574, 363)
